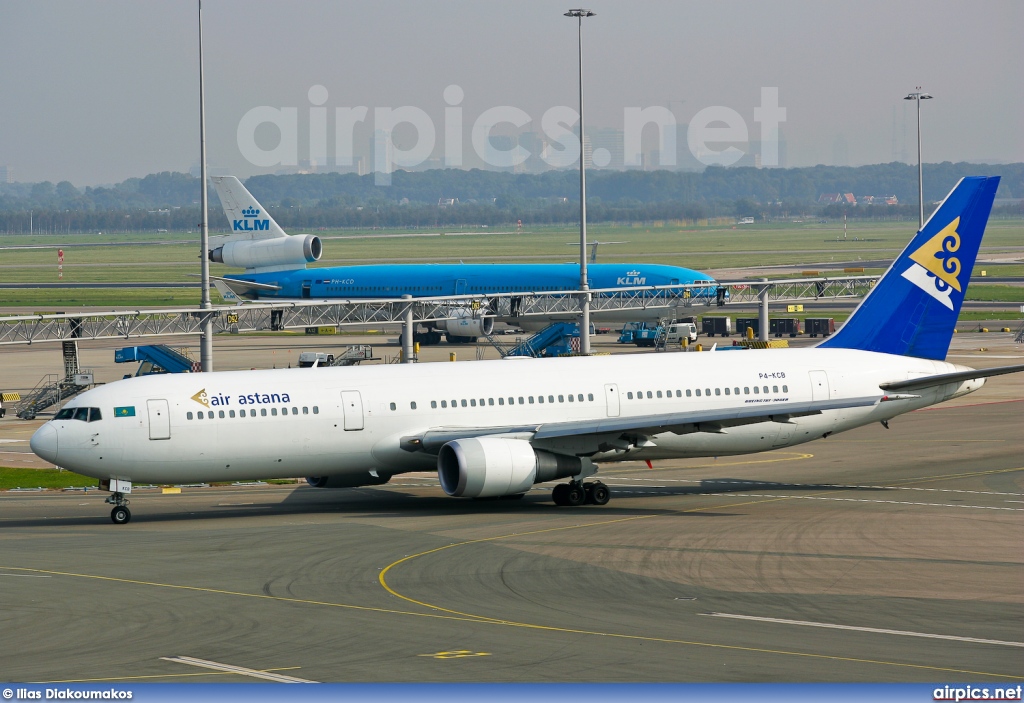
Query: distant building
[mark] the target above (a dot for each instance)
(6, 174)
(878, 200)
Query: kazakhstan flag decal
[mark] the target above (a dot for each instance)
(127, 411)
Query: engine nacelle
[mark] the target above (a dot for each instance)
(463, 322)
(363, 478)
(277, 251)
(487, 467)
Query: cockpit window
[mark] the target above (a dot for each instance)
(83, 414)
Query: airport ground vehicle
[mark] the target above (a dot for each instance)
(824, 326)
(676, 332)
(779, 326)
(710, 326)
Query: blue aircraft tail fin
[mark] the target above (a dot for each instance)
(913, 309)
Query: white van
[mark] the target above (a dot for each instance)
(678, 331)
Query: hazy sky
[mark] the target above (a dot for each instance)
(96, 92)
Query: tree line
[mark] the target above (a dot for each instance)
(420, 199)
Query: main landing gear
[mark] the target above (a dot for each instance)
(120, 514)
(576, 493)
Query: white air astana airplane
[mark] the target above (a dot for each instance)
(495, 428)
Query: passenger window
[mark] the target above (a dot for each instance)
(472, 401)
(444, 403)
(433, 404)
(220, 414)
(464, 403)
(551, 399)
(455, 403)
(785, 389)
(540, 399)
(273, 411)
(629, 395)
(707, 391)
(231, 413)
(659, 394)
(316, 410)
(521, 400)
(718, 391)
(766, 389)
(590, 396)
(531, 400)
(679, 393)
(481, 402)
(252, 412)
(561, 399)
(199, 415)
(305, 410)
(188, 416)
(392, 406)
(756, 391)
(263, 412)
(490, 401)
(775, 389)
(295, 411)
(412, 405)
(572, 399)
(736, 390)
(688, 393)
(698, 392)
(727, 391)
(649, 394)
(82, 414)
(501, 401)
(580, 397)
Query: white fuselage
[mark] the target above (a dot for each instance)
(351, 420)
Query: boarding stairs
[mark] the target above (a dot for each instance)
(556, 335)
(353, 355)
(52, 389)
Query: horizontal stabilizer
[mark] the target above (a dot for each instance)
(944, 378)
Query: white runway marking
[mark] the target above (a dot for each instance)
(26, 576)
(744, 494)
(766, 484)
(240, 670)
(876, 630)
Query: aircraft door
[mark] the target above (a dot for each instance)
(307, 287)
(611, 396)
(352, 407)
(460, 286)
(819, 386)
(159, 419)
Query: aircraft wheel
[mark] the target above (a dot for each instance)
(558, 494)
(598, 494)
(120, 515)
(575, 494)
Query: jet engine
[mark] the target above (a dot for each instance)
(486, 467)
(466, 323)
(277, 251)
(363, 478)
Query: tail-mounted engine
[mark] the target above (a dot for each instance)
(299, 249)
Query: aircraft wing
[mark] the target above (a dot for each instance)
(240, 290)
(432, 440)
(914, 384)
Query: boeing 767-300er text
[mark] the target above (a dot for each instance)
(496, 428)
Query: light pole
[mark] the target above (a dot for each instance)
(206, 340)
(579, 14)
(919, 96)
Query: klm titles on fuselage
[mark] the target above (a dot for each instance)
(632, 278)
(249, 221)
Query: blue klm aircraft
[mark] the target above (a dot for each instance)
(275, 270)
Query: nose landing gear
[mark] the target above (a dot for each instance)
(120, 514)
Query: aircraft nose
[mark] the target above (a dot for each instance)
(44, 443)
